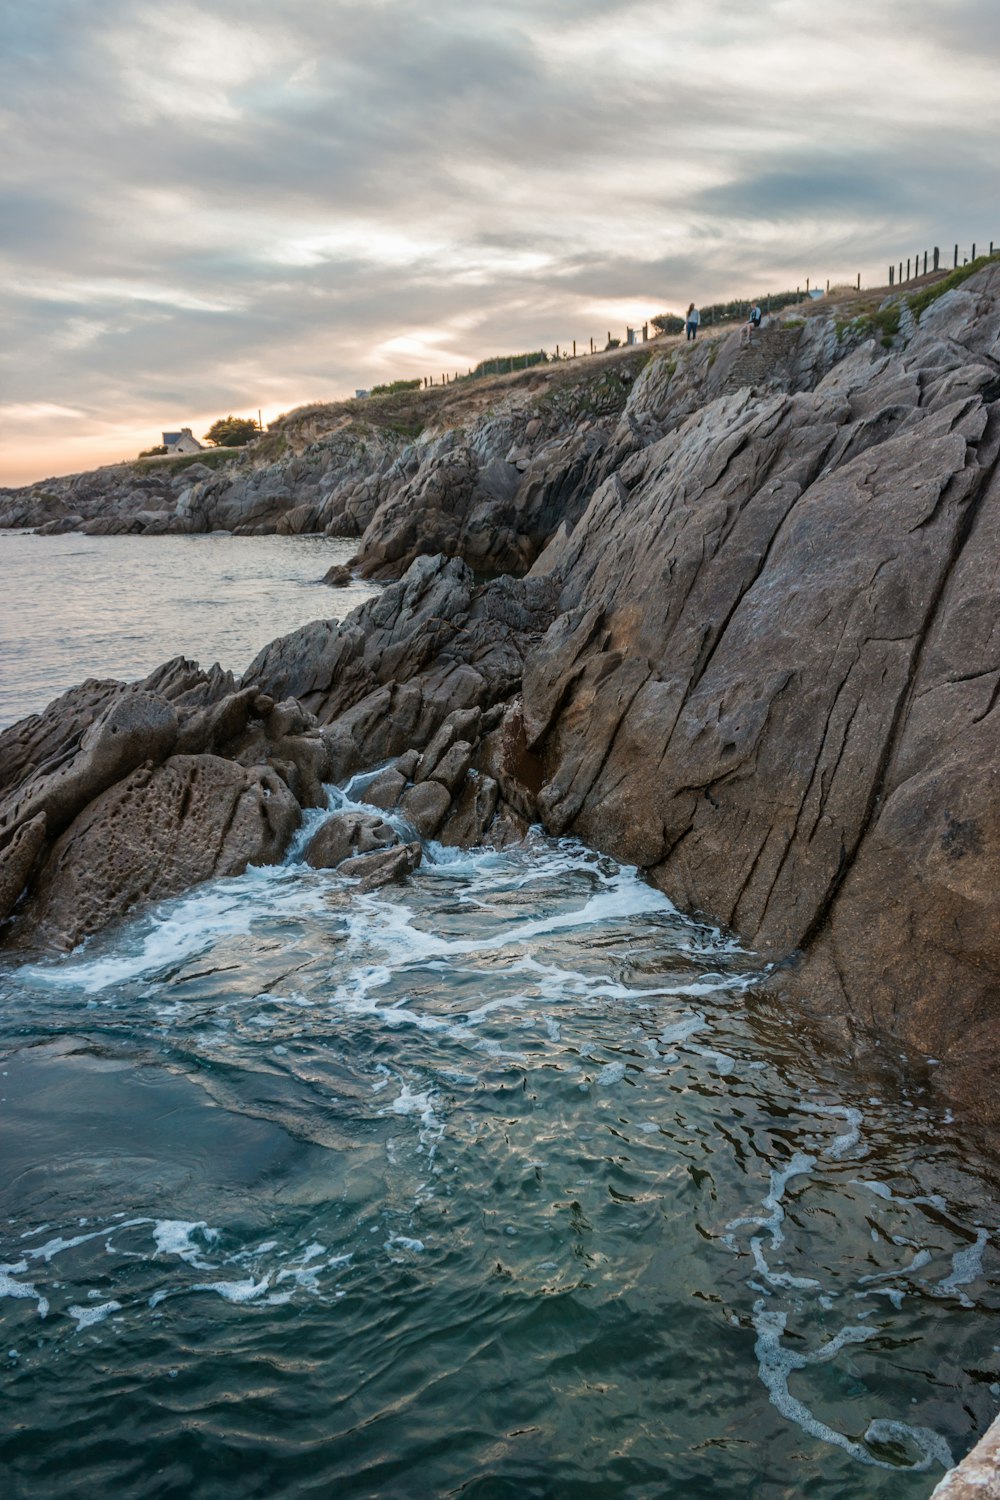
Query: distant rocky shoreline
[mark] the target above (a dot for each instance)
(728, 615)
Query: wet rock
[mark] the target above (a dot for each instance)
(17, 859)
(338, 577)
(153, 835)
(473, 813)
(393, 672)
(346, 834)
(451, 769)
(386, 790)
(425, 807)
(771, 681)
(382, 867)
(136, 727)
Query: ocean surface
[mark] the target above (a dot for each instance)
(73, 607)
(506, 1182)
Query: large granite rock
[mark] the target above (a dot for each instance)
(772, 674)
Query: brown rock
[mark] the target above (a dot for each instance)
(451, 769)
(17, 860)
(473, 812)
(386, 790)
(338, 577)
(154, 835)
(344, 834)
(425, 806)
(136, 727)
(382, 867)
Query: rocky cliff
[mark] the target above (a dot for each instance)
(744, 638)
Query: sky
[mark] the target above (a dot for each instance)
(229, 206)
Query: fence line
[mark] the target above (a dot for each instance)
(925, 262)
(896, 277)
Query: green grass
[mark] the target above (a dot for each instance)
(921, 301)
(886, 321)
(212, 458)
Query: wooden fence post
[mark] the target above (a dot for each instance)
(956, 257)
(907, 268)
(925, 262)
(892, 272)
(859, 281)
(937, 258)
(574, 348)
(973, 255)
(592, 346)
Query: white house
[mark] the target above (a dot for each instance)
(181, 442)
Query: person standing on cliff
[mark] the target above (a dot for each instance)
(691, 321)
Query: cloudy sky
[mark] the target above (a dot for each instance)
(225, 206)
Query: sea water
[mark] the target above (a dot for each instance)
(505, 1181)
(74, 606)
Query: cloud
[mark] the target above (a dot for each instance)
(216, 205)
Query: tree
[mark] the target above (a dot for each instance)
(231, 432)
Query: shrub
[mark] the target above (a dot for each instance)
(668, 323)
(231, 432)
(153, 452)
(504, 364)
(394, 387)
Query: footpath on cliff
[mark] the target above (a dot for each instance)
(726, 614)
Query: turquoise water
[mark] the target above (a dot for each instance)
(505, 1182)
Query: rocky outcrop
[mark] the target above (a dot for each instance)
(119, 794)
(385, 680)
(484, 474)
(154, 834)
(772, 671)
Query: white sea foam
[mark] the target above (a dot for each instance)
(850, 1139)
(775, 1364)
(87, 1317)
(966, 1267)
(235, 1291)
(799, 1166)
(610, 1074)
(416, 1247)
(174, 932)
(23, 1290)
(175, 1237)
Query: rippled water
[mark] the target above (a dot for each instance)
(73, 607)
(501, 1183)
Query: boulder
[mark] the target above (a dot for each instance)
(345, 834)
(382, 866)
(386, 790)
(154, 834)
(472, 815)
(425, 807)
